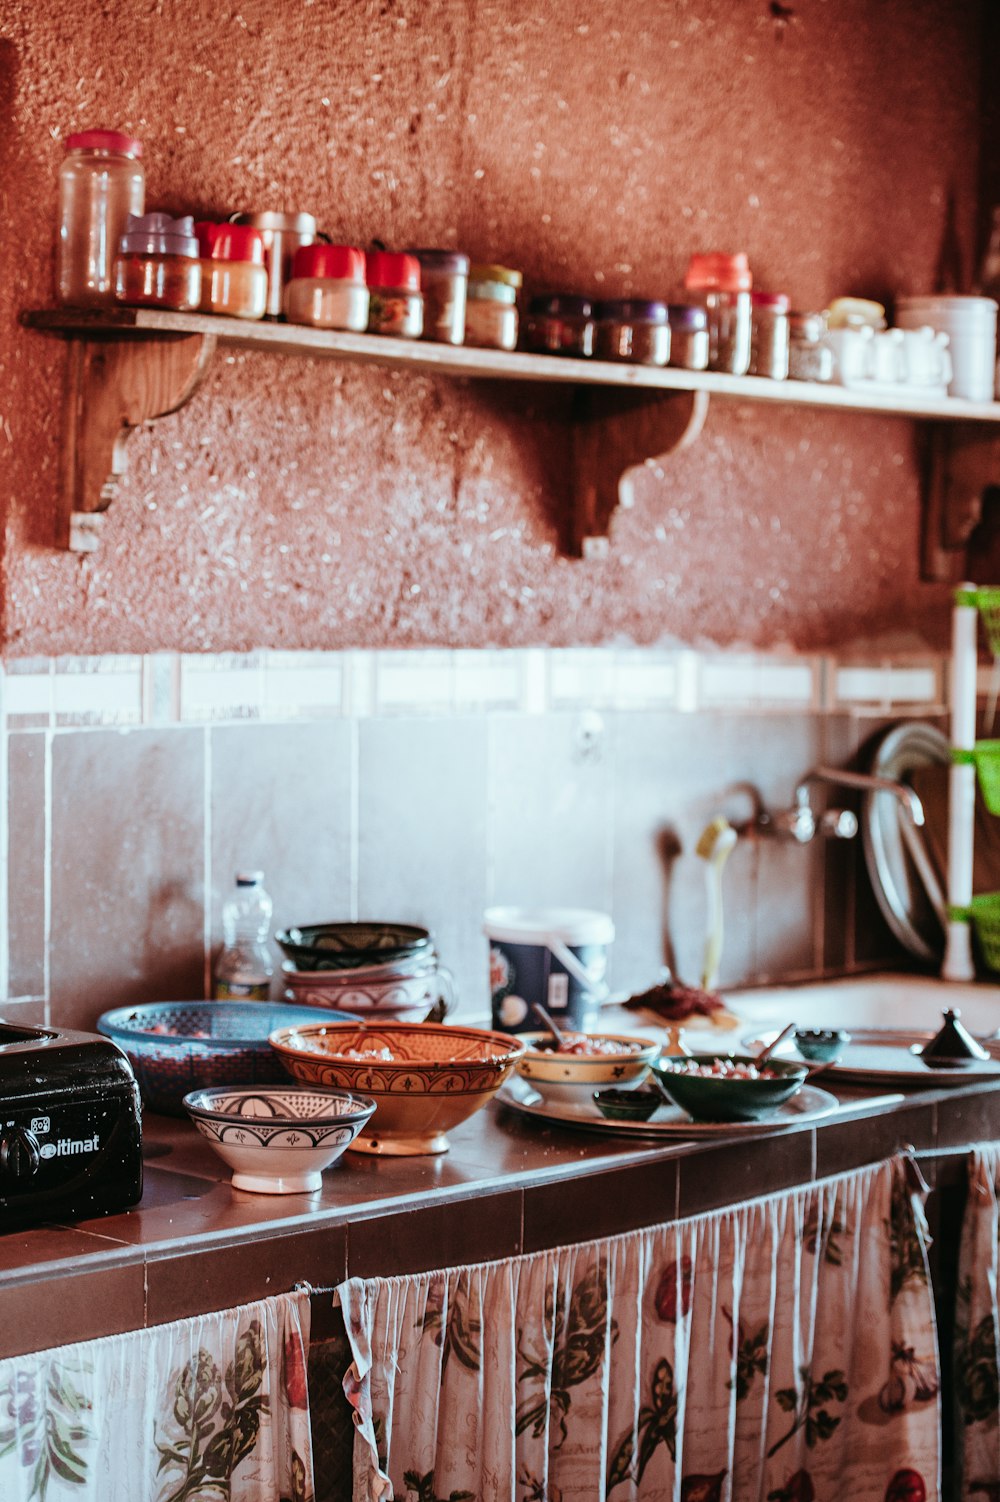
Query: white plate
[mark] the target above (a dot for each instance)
(885, 1055)
(808, 1104)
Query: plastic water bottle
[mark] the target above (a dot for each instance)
(243, 968)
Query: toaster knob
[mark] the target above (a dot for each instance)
(19, 1157)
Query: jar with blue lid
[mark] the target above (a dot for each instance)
(689, 341)
(632, 329)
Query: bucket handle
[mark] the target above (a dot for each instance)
(592, 983)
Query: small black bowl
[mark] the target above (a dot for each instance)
(627, 1105)
(821, 1045)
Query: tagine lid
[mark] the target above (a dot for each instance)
(953, 1046)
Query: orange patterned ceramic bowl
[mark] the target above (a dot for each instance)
(425, 1077)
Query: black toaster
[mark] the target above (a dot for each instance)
(70, 1126)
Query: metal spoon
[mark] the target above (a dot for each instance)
(541, 1013)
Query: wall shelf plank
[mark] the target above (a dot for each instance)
(660, 409)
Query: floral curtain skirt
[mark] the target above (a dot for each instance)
(977, 1331)
(782, 1351)
(212, 1409)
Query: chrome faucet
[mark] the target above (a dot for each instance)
(867, 782)
(801, 823)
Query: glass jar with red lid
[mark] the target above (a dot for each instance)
(157, 265)
(233, 270)
(101, 182)
(769, 335)
(327, 288)
(396, 303)
(721, 284)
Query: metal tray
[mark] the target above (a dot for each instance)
(807, 1105)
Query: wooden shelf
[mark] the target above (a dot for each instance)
(129, 366)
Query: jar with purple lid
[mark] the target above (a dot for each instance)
(158, 263)
(689, 344)
(560, 325)
(444, 281)
(632, 329)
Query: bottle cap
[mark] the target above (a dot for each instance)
(715, 272)
(335, 263)
(230, 242)
(443, 261)
(562, 305)
(777, 302)
(683, 316)
(492, 273)
(631, 310)
(159, 235)
(104, 140)
(386, 268)
(249, 878)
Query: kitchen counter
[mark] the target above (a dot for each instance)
(508, 1185)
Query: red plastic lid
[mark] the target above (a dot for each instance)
(104, 140)
(229, 242)
(777, 301)
(719, 273)
(386, 268)
(334, 263)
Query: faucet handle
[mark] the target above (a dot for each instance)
(839, 824)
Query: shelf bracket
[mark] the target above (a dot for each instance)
(616, 432)
(114, 385)
(962, 463)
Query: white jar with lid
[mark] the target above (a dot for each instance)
(101, 182)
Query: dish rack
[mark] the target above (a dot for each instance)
(972, 761)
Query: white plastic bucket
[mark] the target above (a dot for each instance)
(556, 956)
(971, 326)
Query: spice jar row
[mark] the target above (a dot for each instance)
(271, 265)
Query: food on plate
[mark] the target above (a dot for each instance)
(385, 1054)
(583, 1045)
(674, 1002)
(722, 1069)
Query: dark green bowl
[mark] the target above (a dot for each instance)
(718, 1098)
(821, 1045)
(627, 1105)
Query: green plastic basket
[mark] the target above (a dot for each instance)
(987, 602)
(983, 912)
(985, 757)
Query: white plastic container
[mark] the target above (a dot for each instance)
(971, 326)
(556, 956)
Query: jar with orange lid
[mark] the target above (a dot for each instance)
(233, 270)
(395, 301)
(722, 284)
(157, 265)
(491, 313)
(101, 182)
(327, 288)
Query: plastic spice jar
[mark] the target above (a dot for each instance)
(444, 281)
(491, 314)
(101, 182)
(327, 288)
(810, 358)
(283, 235)
(769, 335)
(233, 271)
(628, 329)
(721, 285)
(157, 264)
(560, 325)
(688, 336)
(396, 303)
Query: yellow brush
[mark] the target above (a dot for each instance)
(715, 843)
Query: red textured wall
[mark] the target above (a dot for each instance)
(299, 504)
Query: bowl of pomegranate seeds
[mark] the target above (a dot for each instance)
(569, 1072)
(728, 1087)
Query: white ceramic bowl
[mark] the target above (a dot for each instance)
(278, 1140)
(570, 1079)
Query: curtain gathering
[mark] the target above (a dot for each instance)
(977, 1332)
(212, 1409)
(785, 1350)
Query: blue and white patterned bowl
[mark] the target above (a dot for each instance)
(278, 1141)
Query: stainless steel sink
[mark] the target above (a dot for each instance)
(890, 1001)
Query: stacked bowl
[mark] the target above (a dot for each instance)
(387, 972)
